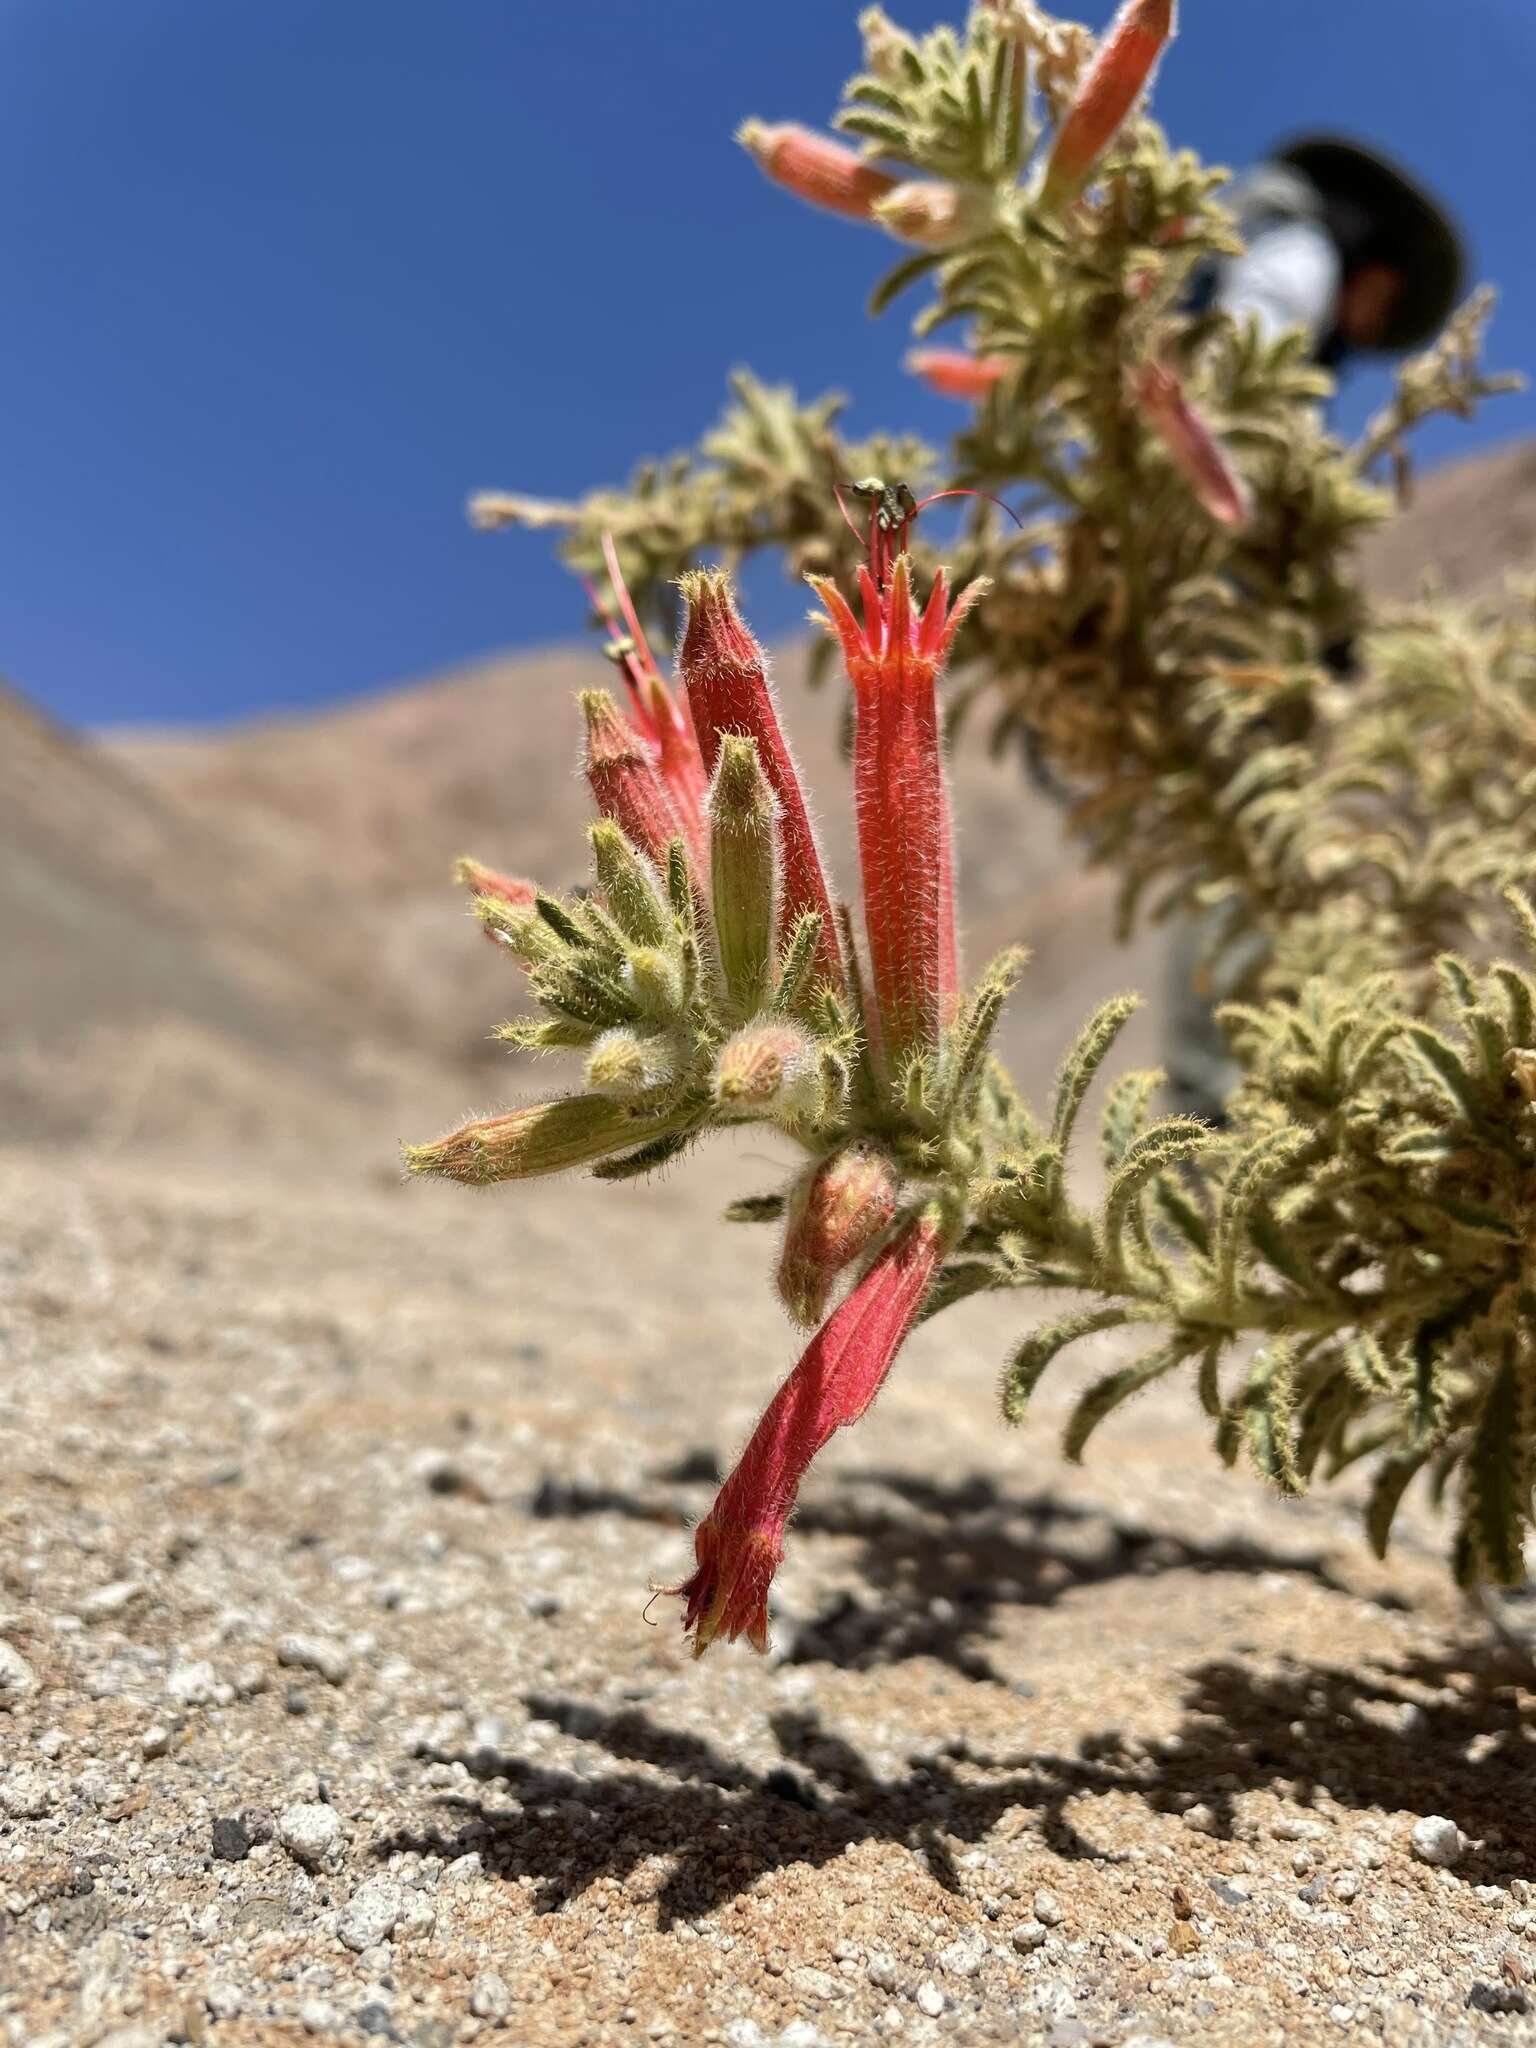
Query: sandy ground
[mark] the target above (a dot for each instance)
(329, 1509)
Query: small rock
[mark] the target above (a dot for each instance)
(108, 1601)
(489, 1998)
(25, 1795)
(930, 1999)
(370, 1915)
(881, 1971)
(311, 1832)
(375, 2018)
(962, 1958)
(464, 1869)
(418, 1916)
(231, 1839)
(745, 2034)
(224, 2001)
(332, 1660)
(155, 1740)
(1499, 1999)
(316, 2017)
(1291, 1828)
(813, 1983)
(52, 1744)
(1201, 1818)
(1028, 1937)
(1346, 1886)
(1303, 1861)
(801, 2034)
(195, 1684)
(1048, 1909)
(17, 1678)
(1437, 1840)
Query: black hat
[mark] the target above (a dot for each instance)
(1384, 213)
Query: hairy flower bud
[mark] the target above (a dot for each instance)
(1194, 448)
(655, 979)
(955, 373)
(629, 886)
(769, 1069)
(625, 1063)
(1119, 73)
(930, 214)
(835, 1215)
(723, 671)
(743, 868)
(624, 780)
(814, 167)
(540, 1138)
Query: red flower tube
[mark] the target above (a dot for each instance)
(906, 854)
(814, 167)
(625, 782)
(955, 373)
(1126, 59)
(1195, 449)
(723, 672)
(740, 1543)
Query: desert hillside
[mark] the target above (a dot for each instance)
(330, 1508)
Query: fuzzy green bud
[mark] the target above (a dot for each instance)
(540, 1138)
(629, 886)
(744, 872)
(625, 1064)
(655, 979)
(769, 1070)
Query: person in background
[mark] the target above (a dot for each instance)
(1340, 242)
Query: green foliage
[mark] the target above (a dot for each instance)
(1354, 1243)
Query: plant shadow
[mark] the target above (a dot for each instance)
(1449, 1736)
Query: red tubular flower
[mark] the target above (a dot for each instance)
(740, 1542)
(661, 721)
(625, 781)
(484, 881)
(955, 373)
(906, 855)
(723, 672)
(1195, 450)
(1126, 59)
(827, 173)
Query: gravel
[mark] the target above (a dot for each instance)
(311, 1832)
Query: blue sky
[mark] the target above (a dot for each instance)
(286, 280)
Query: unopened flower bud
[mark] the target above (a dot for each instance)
(541, 1138)
(930, 214)
(629, 886)
(1119, 73)
(743, 870)
(769, 1070)
(625, 782)
(835, 1215)
(886, 47)
(724, 673)
(1193, 446)
(955, 373)
(814, 167)
(625, 1064)
(655, 979)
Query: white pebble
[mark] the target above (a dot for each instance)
(1048, 1909)
(25, 1795)
(310, 1831)
(370, 1915)
(155, 1740)
(930, 1999)
(489, 1998)
(52, 1743)
(17, 1678)
(881, 1971)
(1346, 1885)
(316, 2017)
(1437, 1840)
(1029, 1936)
(962, 1958)
(224, 2001)
(195, 1684)
(332, 1660)
(108, 1601)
